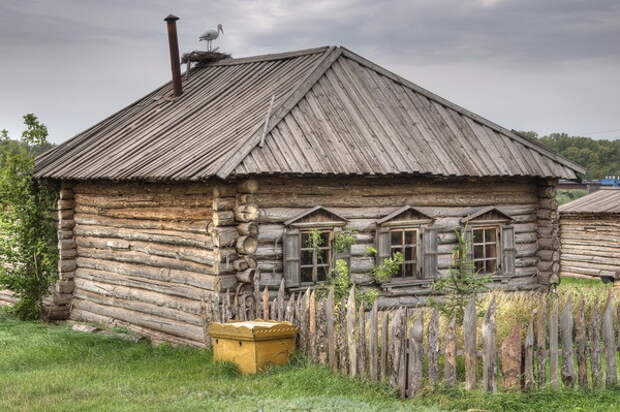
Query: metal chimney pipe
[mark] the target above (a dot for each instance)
(175, 63)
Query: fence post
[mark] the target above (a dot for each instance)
(489, 351)
(351, 338)
(396, 343)
(266, 304)
(280, 305)
(566, 328)
(402, 364)
(433, 347)
(610, 341)
(289, 311)
(529, 356)
(469, 334)
(541, 343)
(416, 353)
(594, 332)
(312, 335)
(383, 361)
(331, 332)
(511, 359)
(361, 342)
(449, 366)
(554, 355)
(372, 350)
(580, 340)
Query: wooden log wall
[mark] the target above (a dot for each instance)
(590, 245)
(57, 305)
(147, 256)
(364, 200)
(548, 234)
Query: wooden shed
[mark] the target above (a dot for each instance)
(590, 235)
(175, 198)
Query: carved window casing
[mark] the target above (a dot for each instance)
(491, 241)
(410, 232)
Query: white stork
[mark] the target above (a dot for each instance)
(211, 35)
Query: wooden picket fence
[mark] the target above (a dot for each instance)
(408, 348)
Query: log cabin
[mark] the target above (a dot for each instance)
(216, 181)
(590, 235)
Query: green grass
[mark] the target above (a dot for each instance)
(51, 368)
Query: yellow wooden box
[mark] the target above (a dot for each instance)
(253, 344)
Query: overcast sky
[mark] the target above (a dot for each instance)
(547, 66)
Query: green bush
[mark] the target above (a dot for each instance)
(28, 252)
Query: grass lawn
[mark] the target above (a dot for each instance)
(51, 368)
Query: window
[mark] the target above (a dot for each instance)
(315, 262)
(405, 241)
(486, 249)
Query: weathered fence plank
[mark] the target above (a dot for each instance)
(581, 344)
(469, 334)
(416, 353)
(511, 359)
(433, 347)
(361, 342)
(331, 331)
(312, 335)
(351, 334)
(265, 312)
(528, 369)
(541, 342)
(383, 360)
(449, 365)
(594, 332)
(610, 341)
(566, 329)
(489, 350)
(554, 349)
(373, 364)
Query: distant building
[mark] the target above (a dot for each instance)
(590, 235)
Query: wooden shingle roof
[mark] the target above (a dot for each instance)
(603, 201)
(333, 113)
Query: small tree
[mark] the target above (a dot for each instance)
(28, 252)
(462, 283)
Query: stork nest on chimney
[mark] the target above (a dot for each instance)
(203, 57)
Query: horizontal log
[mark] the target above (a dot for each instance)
(161, 304)
(183, 330)
(199, 226)
(146, 200)
(65, 234)
(66, 204)
(248, 229)
(65, 194)
(177, 214)
(247, 213)
(246, 276)
(125, 188)
(156, 337)
(224, 236)
(203, 281)
(223, 203)
(169, 237)
(247, 245)
(223, 218)
(248, 186)
(142, 283)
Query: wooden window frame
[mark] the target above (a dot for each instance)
(402, 248)
(498, 248)
(315, 265)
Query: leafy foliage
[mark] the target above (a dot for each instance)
(390, 266)
(28, 249)
(600, 157)
(568, 195)
(343, 240)
(461, 284)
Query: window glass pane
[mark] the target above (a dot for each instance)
(491, 266)
(477, 236)
(409, 269)
(306, 274)
(306, 257)
(490, 235)
(478, 252)
(324, 238)
(491, 250)
(322, 256)
(410, 237)
(305, 240)
(397, 237)
(321, 273)
(479, 266)
(409, 253)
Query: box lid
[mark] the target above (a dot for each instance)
(252, 330)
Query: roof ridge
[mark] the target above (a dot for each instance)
(544, 151)
(267, 57)
(332, 53)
